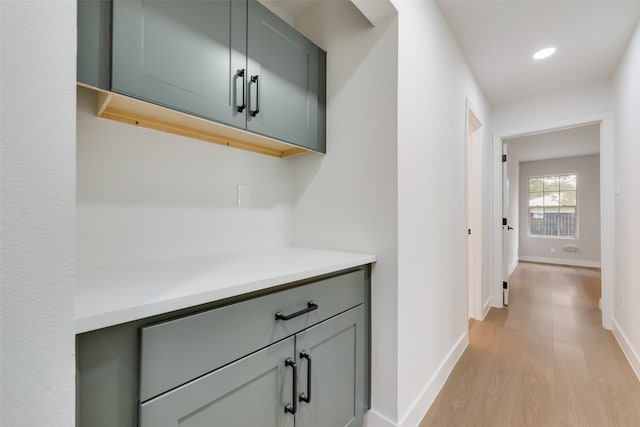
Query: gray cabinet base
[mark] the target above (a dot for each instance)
(108, 372)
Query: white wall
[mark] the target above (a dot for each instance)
(577, 141)
(627, 205)
(144, 194)
(37, 213)
(347, 199)
(554, 107)
(588, 210)
(434, 82)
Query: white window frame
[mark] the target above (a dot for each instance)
(544, 236)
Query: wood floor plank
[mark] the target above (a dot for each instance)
(541, 326)
(461, 397)
(576, 403)
(569, 361)
(564, 324)
(543, 361)
(503, 390)
(622, 407)
(538, 377)
(600, 350)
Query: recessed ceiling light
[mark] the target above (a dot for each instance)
(544, 53)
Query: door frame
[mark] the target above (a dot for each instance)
(607, 200)
(473, 134)
(505, 214)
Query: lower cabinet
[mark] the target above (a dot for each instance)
(295, 357)
(314, 378)
(249, 392)
(330, 358)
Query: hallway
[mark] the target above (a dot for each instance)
(543, 361)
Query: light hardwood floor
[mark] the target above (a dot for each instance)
(543, 361)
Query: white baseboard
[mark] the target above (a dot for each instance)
(627, 348)
(422, 403)
(513, 266)
(486, 307)
(374, 419)
(498, 299)
(562, 261)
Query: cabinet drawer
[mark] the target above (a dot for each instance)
(177, 351)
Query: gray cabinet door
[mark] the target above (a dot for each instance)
(284, 98)
(336, 349)
(252, 391)
(94, 43)
(183, 54)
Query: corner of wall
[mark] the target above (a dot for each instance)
(486, 307)
(346, 199)
(420, 406)
(625, 203)
(375, 11)
(374, 419)
(37, 215)
(627, 348)
(513, 266)
(562, 261)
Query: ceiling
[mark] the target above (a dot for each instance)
(291, 8)
(498, 38)
(579, 141)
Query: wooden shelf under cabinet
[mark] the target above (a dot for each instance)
(113, 106)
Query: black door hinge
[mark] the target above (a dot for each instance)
(504, 221)
(505, 285)
(469, 231)
(504, 158)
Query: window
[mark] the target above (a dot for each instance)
(552, 206)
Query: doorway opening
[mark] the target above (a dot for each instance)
(605, 125)
(551, 199)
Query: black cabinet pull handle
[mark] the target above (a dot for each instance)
(310, 307)
(306, 397)
(240, 108)
(254, 79)
(292, 408)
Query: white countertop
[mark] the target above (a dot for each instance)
(110, 295)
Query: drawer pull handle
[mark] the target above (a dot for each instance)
(310, 307)
(254, 79)
(240, 108)
(306, 397)
(292, 408)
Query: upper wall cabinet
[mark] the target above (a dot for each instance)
(284, 80)
(228, 61)
(186, 55)
(94, 43)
